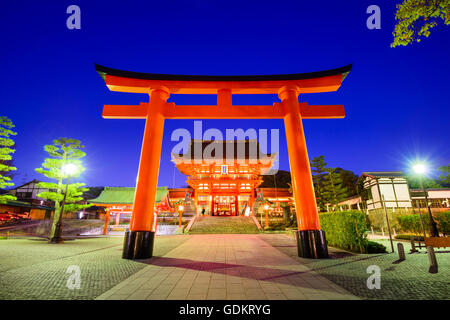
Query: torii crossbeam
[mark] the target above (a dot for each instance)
(139, 240)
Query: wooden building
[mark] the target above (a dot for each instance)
(224, 174)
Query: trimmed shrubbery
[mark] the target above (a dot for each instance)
(443, 222)
(375, 247)
(348, 230)
(411, 223)
(345, 229)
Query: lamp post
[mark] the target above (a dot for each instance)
(180, 214)
(68, 169)
(420, 169)
(266, 209)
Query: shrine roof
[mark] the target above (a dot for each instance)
(384, 174)
(124, 195)
(242, 150)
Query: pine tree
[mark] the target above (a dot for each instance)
(63, 151)
(6, 149)
(318, 175)
(333, 189)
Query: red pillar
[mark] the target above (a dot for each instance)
(117, 218)
(139, 240)
(311, 240)
(105, 228)
(212, 205)
(252, 201)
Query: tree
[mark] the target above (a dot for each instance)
(62, 152)
(333, 190)
(349, 181)
(429, 183)
(444, 178)
(318, 176)
(279, 180)
(416, 18)
(6, 151)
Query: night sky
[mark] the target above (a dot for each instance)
(396, 100)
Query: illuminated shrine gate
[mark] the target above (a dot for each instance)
(138, 243)
(224, 174)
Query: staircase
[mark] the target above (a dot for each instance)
(189, 209)
(203, 225)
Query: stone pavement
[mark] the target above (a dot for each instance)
(225, 266)
(404, 280)
(31, 269)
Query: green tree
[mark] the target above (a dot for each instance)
(279, 180)
(444, 178)
(6, 151)
(429, 183)
(349, 181)
(63, 151)
(319, 172)
(416, 18)
(333, 189)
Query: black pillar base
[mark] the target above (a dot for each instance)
(312, 244)
(138, 245)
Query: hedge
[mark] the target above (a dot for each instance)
(411, 223)
(345, 230)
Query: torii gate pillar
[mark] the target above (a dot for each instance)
(139, 239)
(311, 240)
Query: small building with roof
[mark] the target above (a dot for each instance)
(386, 188)
(118, 202)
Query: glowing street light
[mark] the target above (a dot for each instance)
(420, 169)
(180, 212)
(266, 209)
(68, 169)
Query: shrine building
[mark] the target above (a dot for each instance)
(224, 174)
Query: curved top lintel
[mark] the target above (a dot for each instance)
(103, 71)
(137, 82)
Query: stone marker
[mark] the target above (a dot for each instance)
(401, 252)
(432, 259)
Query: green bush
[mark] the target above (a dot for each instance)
(345, 229)
(375, 247)
(443, 222)
(411, 223)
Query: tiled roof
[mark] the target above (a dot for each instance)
(124, 195)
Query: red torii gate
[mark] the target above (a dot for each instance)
(139, 240)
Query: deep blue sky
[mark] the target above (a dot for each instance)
(397, 100)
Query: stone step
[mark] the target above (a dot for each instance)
(212, 225)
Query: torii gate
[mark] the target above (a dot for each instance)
(139, 240)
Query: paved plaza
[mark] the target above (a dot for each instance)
(215, 266)
(226, 266)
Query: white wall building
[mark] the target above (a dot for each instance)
(391, 188)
